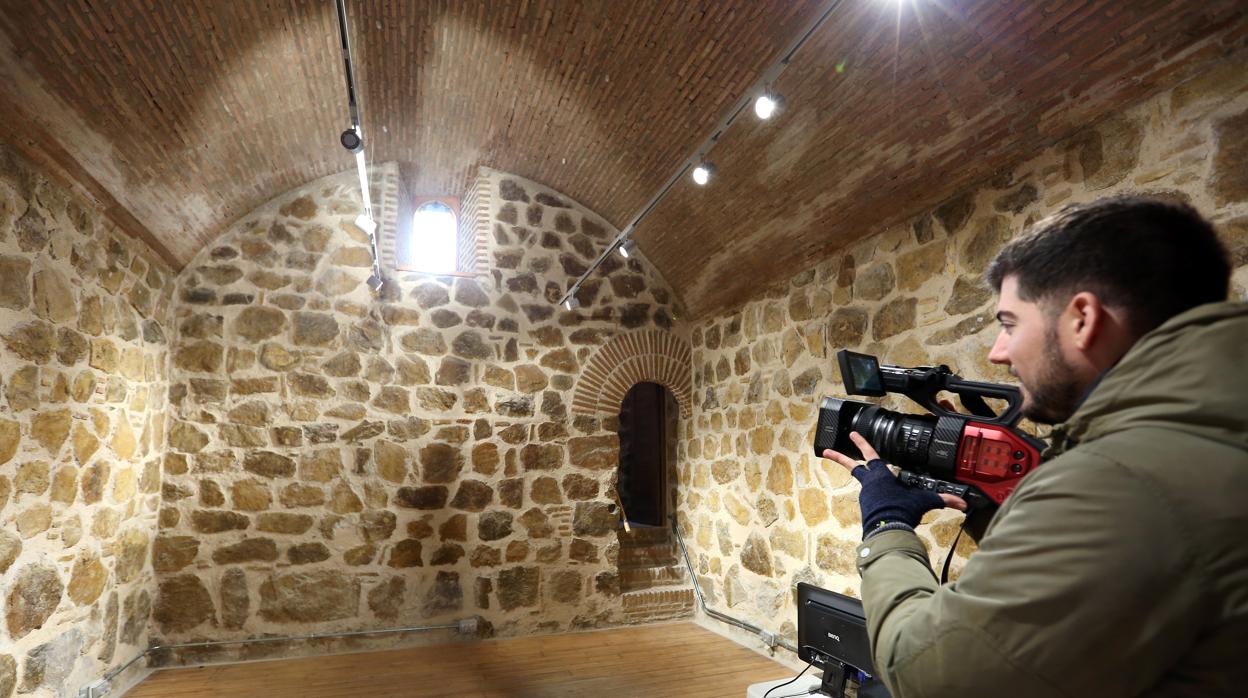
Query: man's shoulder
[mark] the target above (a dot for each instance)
(1147, 469)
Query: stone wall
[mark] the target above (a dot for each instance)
(83, 313)
(759, 510)
(342, 462)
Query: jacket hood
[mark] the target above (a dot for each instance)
(1190, 374)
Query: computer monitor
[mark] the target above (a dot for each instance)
(832, 635)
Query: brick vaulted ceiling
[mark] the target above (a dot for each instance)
(179, 117)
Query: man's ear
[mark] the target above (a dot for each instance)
(1086, 317)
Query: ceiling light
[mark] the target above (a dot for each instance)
(627, 248)
(571, 303)
(351, 140)
(767, 104)
(703, 173)
(366, 223)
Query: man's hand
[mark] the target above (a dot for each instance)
(883, 499)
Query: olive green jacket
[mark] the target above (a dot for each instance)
(1119, 567)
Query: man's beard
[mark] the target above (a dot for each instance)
(1053, 392)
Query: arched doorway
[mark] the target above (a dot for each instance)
(648, 421)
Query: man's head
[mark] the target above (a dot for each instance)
(1080, 287)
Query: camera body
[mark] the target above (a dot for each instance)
(980, 457)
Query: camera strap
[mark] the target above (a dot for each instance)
(944, 572)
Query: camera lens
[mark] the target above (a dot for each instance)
(900, 439)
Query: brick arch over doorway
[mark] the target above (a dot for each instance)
(629, 359)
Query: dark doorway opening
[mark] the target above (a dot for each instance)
(647, 446)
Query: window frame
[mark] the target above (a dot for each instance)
(408, 232)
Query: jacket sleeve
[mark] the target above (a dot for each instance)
(1079, 580)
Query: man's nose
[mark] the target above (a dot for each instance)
(998, 354)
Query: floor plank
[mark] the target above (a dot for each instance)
(679, 659)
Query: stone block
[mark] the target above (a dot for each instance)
(594, 452)
(517, 406)
(406, 553)
(309, 597)
(446, 554)
(130, 554)
(386, 599)
(251, 495)
(235, 601)
(196, 357)
(314, 329)
(269, 464)
(216, 521)
(916, 267)
(282, 522)
(545, 490)
(494, 525)
(303, 208)
(541, 457)
(360, 555)
(428, 498)
(518, 587)
(440, 463)
(246, 550)
(182, 603)
(54, 296)
(756, 555)
(875, 282)
(300, 495)
(472, 495)
(86, 580)
(954, 213)
(894, 317)
(34, 341)
(51, 429)
(173, 553)
(50, 665)
(594, 519)
(580, 487)
(445, 596)
(14, 282)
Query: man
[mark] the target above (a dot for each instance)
(1120, 566)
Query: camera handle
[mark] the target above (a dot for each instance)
(972, 394)
(922, 385)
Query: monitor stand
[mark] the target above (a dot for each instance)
(836, 677)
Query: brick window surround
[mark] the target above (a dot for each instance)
(628, 359)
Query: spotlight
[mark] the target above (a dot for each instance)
(351, 140)
(375, 282)
(703, 173)
(366, 223)
(627, 248)
(571, 303)
(768, 104)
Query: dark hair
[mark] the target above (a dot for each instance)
(1153, 259)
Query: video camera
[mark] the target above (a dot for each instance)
(979, 457)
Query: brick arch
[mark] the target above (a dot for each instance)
(628, 359)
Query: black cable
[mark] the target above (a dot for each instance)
(786, 683)
(803, 693)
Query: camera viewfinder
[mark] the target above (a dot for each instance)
(860, 373)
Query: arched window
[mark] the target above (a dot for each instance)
(430, 244)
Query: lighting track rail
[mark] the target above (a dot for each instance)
(353, 140)
(760, 87)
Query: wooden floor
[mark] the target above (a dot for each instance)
(680, 660)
